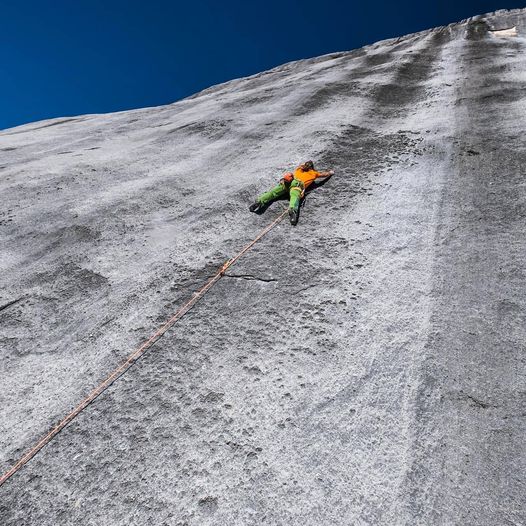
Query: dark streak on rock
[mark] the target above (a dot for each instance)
(408, 85)
(63, 121)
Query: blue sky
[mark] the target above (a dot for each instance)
(61, 58)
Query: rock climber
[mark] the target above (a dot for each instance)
(292, 185)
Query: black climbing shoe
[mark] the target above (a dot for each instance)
(255, 207)
(293, 216)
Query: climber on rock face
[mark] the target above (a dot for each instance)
(292, 185)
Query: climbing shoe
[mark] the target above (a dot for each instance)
(293, 216)
(255, 207)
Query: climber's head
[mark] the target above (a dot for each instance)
(306, 166)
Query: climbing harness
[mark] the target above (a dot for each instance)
(300, 187)
(135, 355)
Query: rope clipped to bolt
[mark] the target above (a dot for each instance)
(134, 356)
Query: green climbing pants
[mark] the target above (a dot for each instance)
(294, 190)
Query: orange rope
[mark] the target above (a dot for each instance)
(134, 356)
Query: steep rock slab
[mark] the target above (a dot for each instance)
(352, 370)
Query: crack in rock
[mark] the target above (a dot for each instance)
(10, 303)
(478, 402)
(249, 277)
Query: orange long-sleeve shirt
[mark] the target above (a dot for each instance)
(307, 178)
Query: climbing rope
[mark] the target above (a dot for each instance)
(135, 355)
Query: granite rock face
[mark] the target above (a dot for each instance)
(366, 367)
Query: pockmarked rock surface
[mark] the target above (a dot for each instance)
(365, 367)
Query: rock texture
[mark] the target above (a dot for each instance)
(365, 367)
